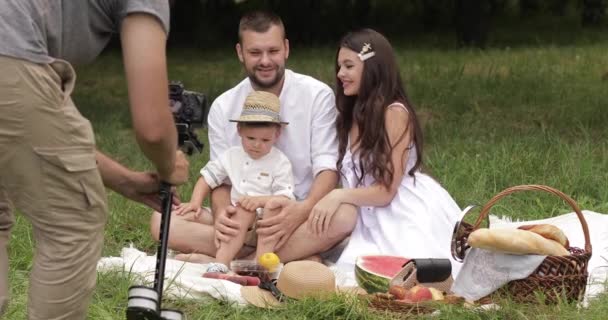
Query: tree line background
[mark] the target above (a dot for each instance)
(213, 23)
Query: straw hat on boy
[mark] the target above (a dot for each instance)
(297, 280)
(261, 106)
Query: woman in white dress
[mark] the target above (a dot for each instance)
(401, 211)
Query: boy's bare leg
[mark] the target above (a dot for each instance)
(303, 244)
(265, 243)
(228, 250)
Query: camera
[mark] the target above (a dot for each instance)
(189, 109)
(187, 106)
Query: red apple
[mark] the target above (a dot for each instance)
(398, 291)
(419, 293)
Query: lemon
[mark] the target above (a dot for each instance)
(269, 260)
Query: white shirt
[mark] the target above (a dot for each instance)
(268, 175)
(309, 140)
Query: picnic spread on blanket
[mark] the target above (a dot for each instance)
(551, 256)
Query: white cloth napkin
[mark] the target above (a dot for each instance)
(570, 225)
(484, 271)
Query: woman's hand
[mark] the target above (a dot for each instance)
(321, 214)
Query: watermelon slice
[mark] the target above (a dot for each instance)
(374, 273)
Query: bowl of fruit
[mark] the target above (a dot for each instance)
(266, 267)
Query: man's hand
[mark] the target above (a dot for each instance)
(179, 175)
(144, 187)
(281, 226)
(225, 228)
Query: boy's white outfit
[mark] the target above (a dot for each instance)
(309, 141)
(268, 175)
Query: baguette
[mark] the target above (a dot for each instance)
(515, 241)
(548, 231)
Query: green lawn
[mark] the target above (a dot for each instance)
(525, 114)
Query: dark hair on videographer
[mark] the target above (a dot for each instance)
(189, 111)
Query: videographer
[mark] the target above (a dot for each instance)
(51, 170)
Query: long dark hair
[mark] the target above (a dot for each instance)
(380, 86)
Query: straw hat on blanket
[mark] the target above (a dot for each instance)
(297, 280)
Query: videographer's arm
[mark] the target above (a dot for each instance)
(139, 186)
(143, 44)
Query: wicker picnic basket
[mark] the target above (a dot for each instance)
(385, 302)
(558, 278)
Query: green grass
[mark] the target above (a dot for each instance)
(525, 114)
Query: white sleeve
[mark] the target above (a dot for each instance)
(283, 181)
(215, 173)
(324, 140)
(216, 123)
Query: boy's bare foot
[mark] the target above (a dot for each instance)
(194, 257)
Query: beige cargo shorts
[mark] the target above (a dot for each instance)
(49, 173)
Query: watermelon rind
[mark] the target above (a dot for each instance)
(371, 281)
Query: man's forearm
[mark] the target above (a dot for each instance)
(114, 175)
(323, 183)
(162, 156)
(143, 43)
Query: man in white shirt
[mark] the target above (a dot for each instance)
(309, 142)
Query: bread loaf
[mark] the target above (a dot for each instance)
(548, 231)
(515, 241)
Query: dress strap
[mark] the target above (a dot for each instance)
(397, 104)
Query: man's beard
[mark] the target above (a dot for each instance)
(267, 85)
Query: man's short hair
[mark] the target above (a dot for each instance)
(259, 21)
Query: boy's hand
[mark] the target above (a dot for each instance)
(186, 207)
(251, 203)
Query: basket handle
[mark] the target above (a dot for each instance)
(486, 208)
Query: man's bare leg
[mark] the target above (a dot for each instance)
(303, 244)
(187, 234)
(192, 236)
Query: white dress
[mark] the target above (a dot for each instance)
(418, 223)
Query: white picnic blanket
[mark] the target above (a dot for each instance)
(184, 279)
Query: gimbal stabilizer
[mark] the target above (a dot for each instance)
(144, 303)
